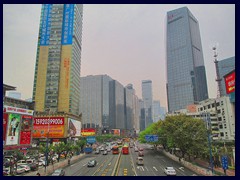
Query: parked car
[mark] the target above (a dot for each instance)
(22, 161)
(6, 171)
(33, 166)
(170, 171)
(140, 161)
(102, 149)
(59, 172)
(20, 169)
(26, 167)
(92, 163)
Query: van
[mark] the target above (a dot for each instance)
(139, 161)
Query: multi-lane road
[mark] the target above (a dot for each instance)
(125, 165)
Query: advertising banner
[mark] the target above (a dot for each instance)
(46, 25)
(230, 82)
(25, 134)
(13, 129)
(16, 110)
(53, 125)
(5, 122)
(88, 132)
(68, 17)
(74, 128)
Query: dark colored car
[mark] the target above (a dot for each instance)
(33, 166)
(92, 163)
(59, 172)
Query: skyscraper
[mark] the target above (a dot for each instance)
(56, 88)
(186, 76)
(57, 71)
(148, 101)
(94, 101)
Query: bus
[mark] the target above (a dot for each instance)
(125, 149)
(115, 150)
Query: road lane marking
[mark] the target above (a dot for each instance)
(146, 168)
(182, 169)
(155, 168)
(84, 164)
(109, 164)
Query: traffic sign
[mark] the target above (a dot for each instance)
(224, 162)
(91, 139)
(151, 138)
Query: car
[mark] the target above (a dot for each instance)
(41, 162)
(105, 152)
(140, 161)
(20, 169)
(26, 167)
(58, 172)
(92, 163)
(6, 171)
(140, 153)
(102, 149)
(140, 149)
(136, 149)
(22, 162)
(33, 166)
(170, 171)
(97, 151)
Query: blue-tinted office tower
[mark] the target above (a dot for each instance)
(186, 76)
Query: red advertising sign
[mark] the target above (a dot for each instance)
(88, 132)
(25, 135)
(16, 110)
(53, 125)
(230, 82)
(5, 122)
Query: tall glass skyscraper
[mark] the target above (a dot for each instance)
(148, 101)
(57, 71)
(186, 76)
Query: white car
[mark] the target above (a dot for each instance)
(26, 167)
(170, 171)
(20, 169)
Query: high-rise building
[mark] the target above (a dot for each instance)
(225, 66)
(94, 101)
(148, 101)
(186, 76)
(157, 111)
(57, 71)
(56, 88)
(141, 115)
(14, 94)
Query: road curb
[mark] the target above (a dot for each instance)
(117, 163)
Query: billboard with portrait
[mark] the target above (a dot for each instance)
(116, 132)
(53, 125)
(13, 129)
(25, 134)
(74, 128)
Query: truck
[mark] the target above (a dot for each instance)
(88, 150)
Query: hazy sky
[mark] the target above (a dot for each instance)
(126, 42)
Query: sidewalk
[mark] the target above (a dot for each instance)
(205, 164)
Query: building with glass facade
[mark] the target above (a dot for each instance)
(142, 115)
(57, 70)
(186, 76)
(225, 66)
(148, 101)
(94, 101)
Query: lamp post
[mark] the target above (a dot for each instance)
(47, 138)
(208, 125)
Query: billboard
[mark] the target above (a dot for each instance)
(230, 82)
(5, 122)
(74, 128)
(45, 25)
(55, 126)
(9, 109)
(13, 129)
(116, 132)
(88, 132)
(68, 17)
(25, 134)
